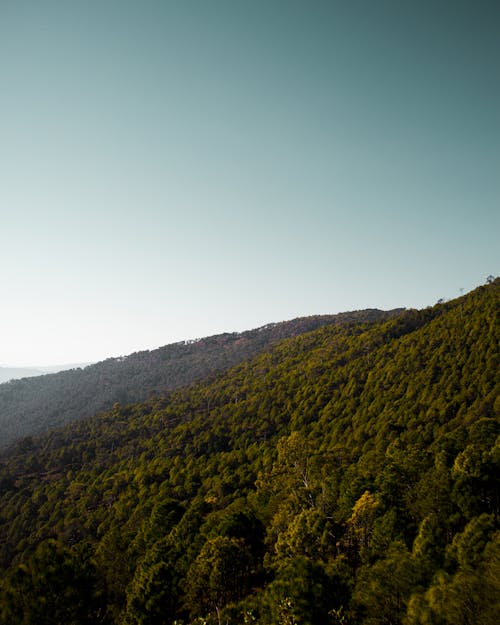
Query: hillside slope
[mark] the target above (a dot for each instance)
(30, 406)
(350, 475)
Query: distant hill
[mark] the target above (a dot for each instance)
(33, 405)
(16, 373)
(346, 476)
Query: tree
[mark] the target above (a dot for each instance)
(382, 590)
(309, 534)
(219, 575)
(362, 520)
(151, 597)
(302, 593)
(471, 596)
(56, 585)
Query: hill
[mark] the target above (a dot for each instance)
(31, 406)
(15, 373)
(349, 475)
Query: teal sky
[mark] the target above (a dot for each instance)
(170, 170)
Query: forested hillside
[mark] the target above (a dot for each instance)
(349, 475)
(34, 405)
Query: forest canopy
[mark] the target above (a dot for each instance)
(348, 475)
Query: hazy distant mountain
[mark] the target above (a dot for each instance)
(36, 404)
(16, 373)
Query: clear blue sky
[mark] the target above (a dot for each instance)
(171, 170)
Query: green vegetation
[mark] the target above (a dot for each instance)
(349, 475)
(34, 405)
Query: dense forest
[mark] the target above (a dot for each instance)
(34, 405)
(348, 475)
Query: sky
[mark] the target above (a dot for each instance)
(175, 169)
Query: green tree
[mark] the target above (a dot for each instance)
(361, 523)
(152, 596)
(56, 585)
(219, 575)
(309, 534)
(383, 589)
(302, 593)
(470, 596)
